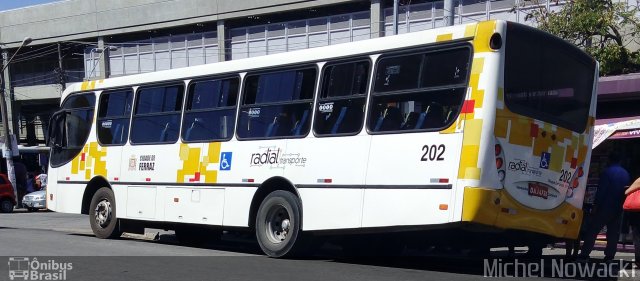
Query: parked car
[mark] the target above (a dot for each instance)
(7, 197)
(35, 200)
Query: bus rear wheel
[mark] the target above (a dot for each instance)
(278, 224)
(102, 214)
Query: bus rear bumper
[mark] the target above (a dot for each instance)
(497, 208)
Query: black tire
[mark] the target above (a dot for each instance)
(32, 210)
(196, 236)
(278, 225)
(102, 214)
(6, 206)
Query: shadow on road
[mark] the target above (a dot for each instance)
(499, 264)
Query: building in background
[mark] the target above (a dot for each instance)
(77, 40)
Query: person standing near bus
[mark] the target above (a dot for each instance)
(20, 172)
(634, 222)
(607, 208)
(41, 181)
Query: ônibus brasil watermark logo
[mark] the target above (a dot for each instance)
(23, 268)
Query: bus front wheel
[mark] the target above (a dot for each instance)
(278, 224)
(102, 214)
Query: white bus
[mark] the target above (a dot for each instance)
(482, 128)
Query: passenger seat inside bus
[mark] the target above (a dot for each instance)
(273, 126)
(117, 134)
(410, 121)
(435, 117)
(297, 128)
(449, 117)
(336, 126)
(281, 126)
(164, 132)
(391, 120)
(196, 125)
(431, 118)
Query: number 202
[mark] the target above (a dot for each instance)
(433, 152)
(565, 175)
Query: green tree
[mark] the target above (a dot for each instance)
(608, 30)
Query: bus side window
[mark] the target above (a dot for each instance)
(114, 110)
(156, 117)
(418, 92)
(277, 104)
(340, 109)
(210, 110)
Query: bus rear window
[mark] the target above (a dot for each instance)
(546, 78)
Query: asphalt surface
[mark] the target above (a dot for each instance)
(56, 239)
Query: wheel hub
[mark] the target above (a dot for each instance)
(103, 213)
(278, 224)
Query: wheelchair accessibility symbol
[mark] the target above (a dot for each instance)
(225, 161)
(545, 158)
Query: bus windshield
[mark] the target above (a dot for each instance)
(546, 78)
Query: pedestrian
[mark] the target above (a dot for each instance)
(20, 173)
(607, 210)
(41, 181)
(572, 246)
(30, 183)
(634, 222)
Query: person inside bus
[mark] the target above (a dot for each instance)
(607, 208)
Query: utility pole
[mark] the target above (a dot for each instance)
(449, 12)
(395, 17)
(8, 150)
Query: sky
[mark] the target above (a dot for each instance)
(14, 4)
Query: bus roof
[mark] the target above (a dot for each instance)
(457, 32)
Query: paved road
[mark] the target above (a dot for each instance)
(56, 238)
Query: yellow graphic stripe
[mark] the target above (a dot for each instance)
(96, 153)
(190, 162)
(75, 165)
(193, 162)
(93, 163)
(563, 144)
(469, 168)
(477, 95)
(470, 30)
(444, 37)
(213, 153)
(484, 31)
(90, 85)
